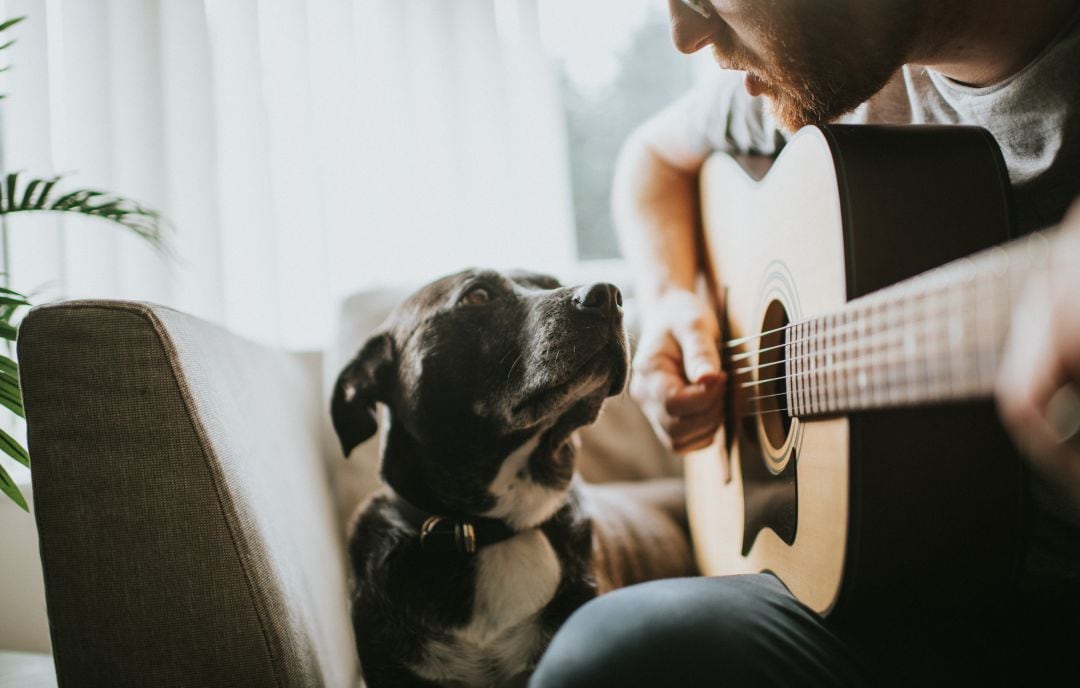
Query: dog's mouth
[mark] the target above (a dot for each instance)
(607, 366)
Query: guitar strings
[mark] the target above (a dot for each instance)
(868, 352)
(829, 374)
(827, 363)
(897, 326)
(967, 294)
(863, 315)
(994, 264)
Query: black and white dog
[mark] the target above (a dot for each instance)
(483, 542)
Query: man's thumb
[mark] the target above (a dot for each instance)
(701, 357)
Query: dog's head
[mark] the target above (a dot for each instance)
(485, 375)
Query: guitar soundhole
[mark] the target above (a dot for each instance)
(771, 373)
(766, 448)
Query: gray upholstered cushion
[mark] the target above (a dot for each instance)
(187, 529)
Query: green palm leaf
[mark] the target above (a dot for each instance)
(37, 195)
(8, 487)
(7, 44)
(12, 448)
(10, 23)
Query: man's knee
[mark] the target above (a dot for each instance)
(671, 631)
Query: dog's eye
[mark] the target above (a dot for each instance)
(476, 296)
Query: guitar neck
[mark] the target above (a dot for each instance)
(936, 337)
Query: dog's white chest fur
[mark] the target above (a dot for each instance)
(515, 579)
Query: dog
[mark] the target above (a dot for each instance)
(482, 541)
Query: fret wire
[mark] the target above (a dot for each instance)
(803, 364)
(814, 375)
(808, 368)
(900, 389)
(819, 367)
(788, 383)
(831, 371)
(911, 349)
(877, 372)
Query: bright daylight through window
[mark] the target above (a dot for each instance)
(611, 80)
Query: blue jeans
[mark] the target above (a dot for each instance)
(750, 631)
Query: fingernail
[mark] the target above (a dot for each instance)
(704, 370)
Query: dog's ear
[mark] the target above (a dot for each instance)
(359, 386)
(534, 279)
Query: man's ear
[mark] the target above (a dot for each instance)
(359, 386)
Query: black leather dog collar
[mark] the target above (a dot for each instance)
(453, 534)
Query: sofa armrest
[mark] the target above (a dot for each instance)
(186, 524)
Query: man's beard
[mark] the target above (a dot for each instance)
(801, 100)
(814, 78)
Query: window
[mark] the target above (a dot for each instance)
(617, 66)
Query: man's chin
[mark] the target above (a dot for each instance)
(789, 114)
(793, 113)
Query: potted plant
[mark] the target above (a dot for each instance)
(43, 195)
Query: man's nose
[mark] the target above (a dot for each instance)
(690, 31)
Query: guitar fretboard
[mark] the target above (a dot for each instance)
(935, 337)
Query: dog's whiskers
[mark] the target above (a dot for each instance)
(513, 365)
(508, 352)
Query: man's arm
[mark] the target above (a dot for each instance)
(677, 377)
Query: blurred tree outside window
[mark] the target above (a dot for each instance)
(609, 86)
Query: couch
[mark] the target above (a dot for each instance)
(192, 503)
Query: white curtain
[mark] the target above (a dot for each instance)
(303, 150)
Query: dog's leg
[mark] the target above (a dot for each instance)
(639, 531)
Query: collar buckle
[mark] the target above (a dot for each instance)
(441, 534)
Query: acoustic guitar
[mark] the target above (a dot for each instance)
(861, 459)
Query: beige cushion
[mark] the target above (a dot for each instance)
(187, 530)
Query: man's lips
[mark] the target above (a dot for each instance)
(754, 85)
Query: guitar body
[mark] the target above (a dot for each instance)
(866, 514)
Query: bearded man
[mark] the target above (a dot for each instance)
(1006, 65)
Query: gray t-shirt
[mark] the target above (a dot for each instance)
(1035, 117)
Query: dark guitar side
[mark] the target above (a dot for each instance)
(944, 481)
(934, 493)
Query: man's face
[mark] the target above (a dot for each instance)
(814, 59)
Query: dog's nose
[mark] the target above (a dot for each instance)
(600, 298)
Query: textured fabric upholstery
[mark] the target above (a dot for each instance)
(188, 535)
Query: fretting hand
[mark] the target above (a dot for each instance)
(1037, 387)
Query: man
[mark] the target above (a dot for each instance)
(1006, 65)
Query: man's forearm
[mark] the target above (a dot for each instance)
(656, 212)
